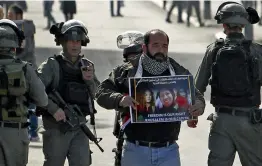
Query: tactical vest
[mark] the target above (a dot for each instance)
(72, 87)
(13, 88)
(234, 79)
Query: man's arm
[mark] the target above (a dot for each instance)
(107, 94)
(46, 72)
(204, 71)
(36, 88)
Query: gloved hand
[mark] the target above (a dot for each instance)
(253, 15)
(59, 115)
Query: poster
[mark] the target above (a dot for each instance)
(161, 99)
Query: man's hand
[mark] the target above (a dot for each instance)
(127, 101)
(88, 72)
(60, 115)
(192, 123)
(197, 109)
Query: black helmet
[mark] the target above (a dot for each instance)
(235, 13)
(70, 30)
(10, 35)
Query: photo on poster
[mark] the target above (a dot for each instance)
(161, 99)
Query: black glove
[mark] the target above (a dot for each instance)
(253, 16)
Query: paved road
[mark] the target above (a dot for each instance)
(187, 46)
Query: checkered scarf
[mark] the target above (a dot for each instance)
(152, 66)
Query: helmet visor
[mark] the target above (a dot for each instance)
(75, 34)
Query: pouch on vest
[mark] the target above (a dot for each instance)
(76, 93)
(231, 71)
(12, 90)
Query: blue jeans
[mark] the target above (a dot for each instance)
(33, 126)
(33, 123)
(134, 155)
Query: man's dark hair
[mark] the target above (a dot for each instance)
(147, 35)
(17, 9)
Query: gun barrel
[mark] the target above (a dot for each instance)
(91, 136)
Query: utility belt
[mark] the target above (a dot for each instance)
(255, 114)
(151, 144)
(13, 125)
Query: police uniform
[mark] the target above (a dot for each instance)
(61, 74)
(19, 86)
(232, 126)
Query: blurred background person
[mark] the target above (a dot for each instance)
(69, 9)
(119, 5)
(190, 6)
(27, 53)
(164, 4)
(180, 5)
(48, 5)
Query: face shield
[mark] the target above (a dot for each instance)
(129, 37)
(75, 34)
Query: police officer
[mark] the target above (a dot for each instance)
(144, 141)
(19, 86)
(73, 77)
(131, 48)
(26, 53)
(235, 71)
(130, 53)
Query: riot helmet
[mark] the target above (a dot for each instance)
(131, 43)
(129, 37)
(135, 49)
(10, 35)
(235, 14)
(70, 30)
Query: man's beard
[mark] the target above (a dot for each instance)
(159, 57)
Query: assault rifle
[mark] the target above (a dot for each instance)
(73, 119)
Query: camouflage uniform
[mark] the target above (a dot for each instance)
(233, 131)
(57, 145)
(14, 141)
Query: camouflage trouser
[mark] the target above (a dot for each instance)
(14, 146)
(57, 146)
(234, 133)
